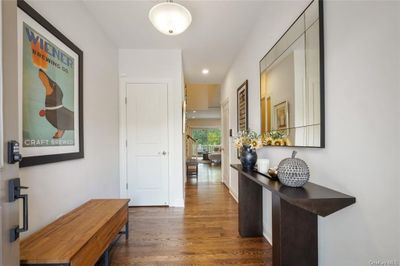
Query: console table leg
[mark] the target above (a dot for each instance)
(250, 208)
(294, 235)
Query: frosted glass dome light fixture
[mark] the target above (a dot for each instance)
(170, 18)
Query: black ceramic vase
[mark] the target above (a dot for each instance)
(248, 157)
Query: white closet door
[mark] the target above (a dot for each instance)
(147, 136)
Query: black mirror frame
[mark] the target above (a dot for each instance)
(321, 72)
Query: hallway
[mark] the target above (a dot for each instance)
(208, 173)
(205, 232)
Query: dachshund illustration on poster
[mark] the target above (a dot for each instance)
(48, 92)
(58, 116)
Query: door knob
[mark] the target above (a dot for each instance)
(164, 153)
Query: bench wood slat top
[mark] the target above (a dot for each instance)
(59, 241)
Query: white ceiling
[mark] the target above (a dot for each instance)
(218, 31)
(211, 113)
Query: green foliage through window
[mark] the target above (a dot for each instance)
(207, 136)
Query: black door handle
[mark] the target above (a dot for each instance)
(15, 194)
(24, 228)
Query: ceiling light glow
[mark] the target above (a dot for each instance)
(205, 71)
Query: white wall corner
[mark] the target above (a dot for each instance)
(122, 138)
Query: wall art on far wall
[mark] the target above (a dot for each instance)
(242, 109)
(50, 84)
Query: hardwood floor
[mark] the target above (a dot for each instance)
(205, 232)
(208, 173)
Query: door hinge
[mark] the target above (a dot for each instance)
(126, 100)
(126, 185)
(126, 143)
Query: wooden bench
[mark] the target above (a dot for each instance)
(82, 237)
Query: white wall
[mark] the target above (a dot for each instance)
(362, 126)
(280, 86)
(59, 187)
(398, 129)
(204, 123)
(246, 66)
(161, 65)
(202, 96)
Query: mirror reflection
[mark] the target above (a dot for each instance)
(290, 85)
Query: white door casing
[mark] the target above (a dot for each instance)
(9, 211)
(225, 143)
(147, 144)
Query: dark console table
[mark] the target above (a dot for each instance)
(294, 215)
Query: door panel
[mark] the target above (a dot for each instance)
(149, 166)
(147, 152)
(9, 210)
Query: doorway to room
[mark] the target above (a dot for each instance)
(205, 149)
(203, 133)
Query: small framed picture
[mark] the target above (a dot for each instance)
(50, 91)
(281, 116)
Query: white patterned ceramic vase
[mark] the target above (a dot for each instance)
(293, 172)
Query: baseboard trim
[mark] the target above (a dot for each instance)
(233, 196)
(177, 203)
(268, 237)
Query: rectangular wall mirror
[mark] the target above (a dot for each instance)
(292, 84)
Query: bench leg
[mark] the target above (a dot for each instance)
(127, 230)
(107, 257)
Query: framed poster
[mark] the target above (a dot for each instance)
(242, 109)
(50, 91)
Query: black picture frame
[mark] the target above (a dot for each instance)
(321, 72)
(243, 88)
(52, 158)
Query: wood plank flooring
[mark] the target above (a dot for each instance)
(205, 232)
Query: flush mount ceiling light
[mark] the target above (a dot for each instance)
(170, 18)
(205, 71)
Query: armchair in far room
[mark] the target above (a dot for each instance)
(215, 156)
